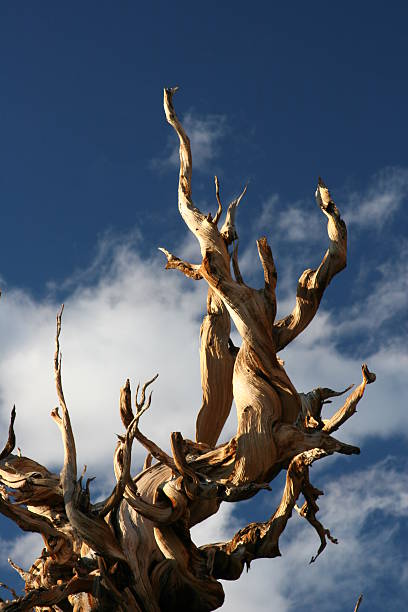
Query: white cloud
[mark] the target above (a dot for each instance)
(217, 528)
(297, 222)
(23, 550)
(133, 322)
(205, 133)
(386, 299)
(377, 204)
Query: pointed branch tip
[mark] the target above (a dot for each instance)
(368, 377)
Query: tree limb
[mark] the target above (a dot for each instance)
(313, 283)
(261, 540)
(217, 195)
(48, 597)
(359, 600)
(11, 440)
(188, 269)
(229, 230)
(94, 531)
(350, 405)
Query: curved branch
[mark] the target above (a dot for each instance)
(188, 269)
(313, 283)
(235, 264)
(228, 230)
(93, 530)
(11, 440)
(22, 573)
(270, 275)
(217, 195)
(312, 404)
(28, 521)
(39, 598)
(216, 368)
(261, 540)
(140, 405)
(350, 405)
(126, 488)
(205, 230)
(309, 510)
(125, 404)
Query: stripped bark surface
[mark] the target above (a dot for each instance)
(133, 550)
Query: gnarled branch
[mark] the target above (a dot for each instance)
(313, 283)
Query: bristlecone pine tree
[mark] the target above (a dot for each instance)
(133, 551)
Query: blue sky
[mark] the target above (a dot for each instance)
(270, 94)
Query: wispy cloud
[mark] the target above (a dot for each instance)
(23, 550)
(298, 222)
(205, 133)
(295, 222)
(380, 201)
(385, 299)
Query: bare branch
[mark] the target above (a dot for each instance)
(188, 473)
(228, 230)
(93, 530)
(69, 471)
(28, 521)
(313, 283)
(125, 404)
(270, 275)
(185, 150)
(217, 195)
(216, 368)
(11, 440)
(350, 405)
(141, 405)
(261, 540)
(22, 573)
(49, 597)
(312, 404)
(235, 264)
(188, 269)
(148, 461)
(160, 455)
(204, 230)
(309, 511)
(359, 600)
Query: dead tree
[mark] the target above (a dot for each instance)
(133, 551)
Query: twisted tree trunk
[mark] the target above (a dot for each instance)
(133, 551)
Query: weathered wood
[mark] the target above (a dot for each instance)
(133, 551)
